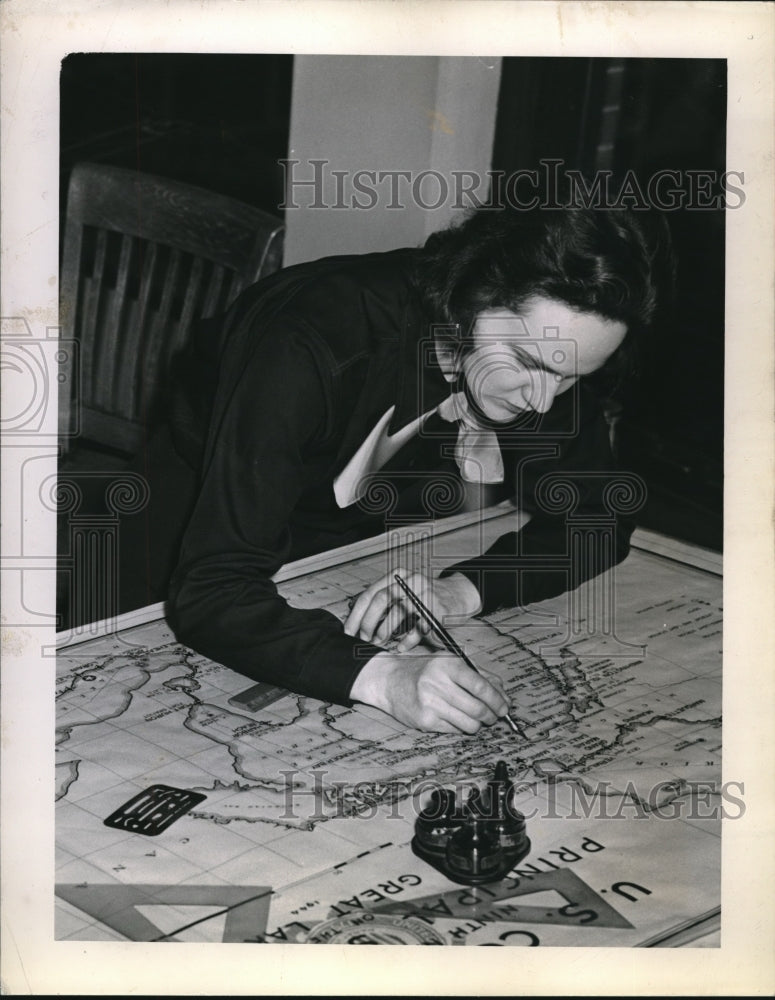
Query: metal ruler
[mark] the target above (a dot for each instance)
(257, 697)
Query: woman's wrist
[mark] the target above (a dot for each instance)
(370, 686)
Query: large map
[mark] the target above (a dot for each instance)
(304, 812)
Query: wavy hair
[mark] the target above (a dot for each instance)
(614, 262)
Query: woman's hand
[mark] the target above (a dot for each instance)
(434, 692)
(383, 608)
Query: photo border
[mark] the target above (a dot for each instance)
(35, 36)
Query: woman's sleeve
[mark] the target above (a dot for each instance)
(271, 410)
(556, 552)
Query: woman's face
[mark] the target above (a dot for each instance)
(522, 361)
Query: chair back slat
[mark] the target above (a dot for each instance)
(86, 308)
(168, 315)
(170, 285)
(160, 330)
(140, 349)
(234, 286)
(213, 293)
(144, 258)
(116, 325)
(194, 295)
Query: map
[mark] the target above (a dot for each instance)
(303, 811)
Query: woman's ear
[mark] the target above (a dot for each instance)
(448, 353)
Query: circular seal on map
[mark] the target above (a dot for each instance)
(374, 928)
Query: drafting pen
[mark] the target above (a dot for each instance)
(445, 637)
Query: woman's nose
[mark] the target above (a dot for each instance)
(542, 390)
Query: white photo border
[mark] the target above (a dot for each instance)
(35, 35)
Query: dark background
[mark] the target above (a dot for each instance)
(218, 121)
(648, 115)
(222, 122)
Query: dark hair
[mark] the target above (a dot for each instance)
(614, 262)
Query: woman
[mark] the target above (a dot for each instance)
(471, 354)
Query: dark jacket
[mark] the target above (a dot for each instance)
(307, 362)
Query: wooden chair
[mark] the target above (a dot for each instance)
(144, 257)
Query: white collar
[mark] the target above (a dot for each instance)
(378, 448)
(477, 451)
